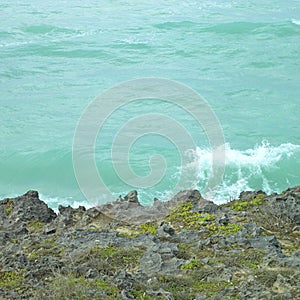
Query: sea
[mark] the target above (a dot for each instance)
(58, 58)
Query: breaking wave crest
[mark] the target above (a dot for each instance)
(256, 168)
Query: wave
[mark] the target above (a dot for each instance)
(279, 29)
(266, 167)
(296, 22)
(45, 35)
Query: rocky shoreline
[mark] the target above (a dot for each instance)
(185, 248)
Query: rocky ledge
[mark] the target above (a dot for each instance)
(185, 248)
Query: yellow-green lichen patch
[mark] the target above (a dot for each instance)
(11, 279)
(185, 251)
(212, 288)
(9, 206)
(148, 228)
(183, 216)
(230, 228)
(192, 265)
(246, 204)
(135, 231)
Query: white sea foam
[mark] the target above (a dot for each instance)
(54, 202)
(296, 22)
(245, 169)
(263, 155)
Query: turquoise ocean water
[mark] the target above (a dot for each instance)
(243, 57)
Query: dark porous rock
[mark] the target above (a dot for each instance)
(184, 248)
(252, 229)
(268, 243)
(159, 205)
(93, 212)
(186, 237)
(223, 219)
(161, 258)
(69, 216)
(286, 205)
(27, 207)
(187, 195)
(151, 263)
(81, 218)
(123, 280)
(132, 197)
(91, 273)
(246, 195)
(165, 231)
(17, 213)
(282, 287)
(199, 203)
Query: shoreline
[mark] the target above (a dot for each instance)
(184, 248)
